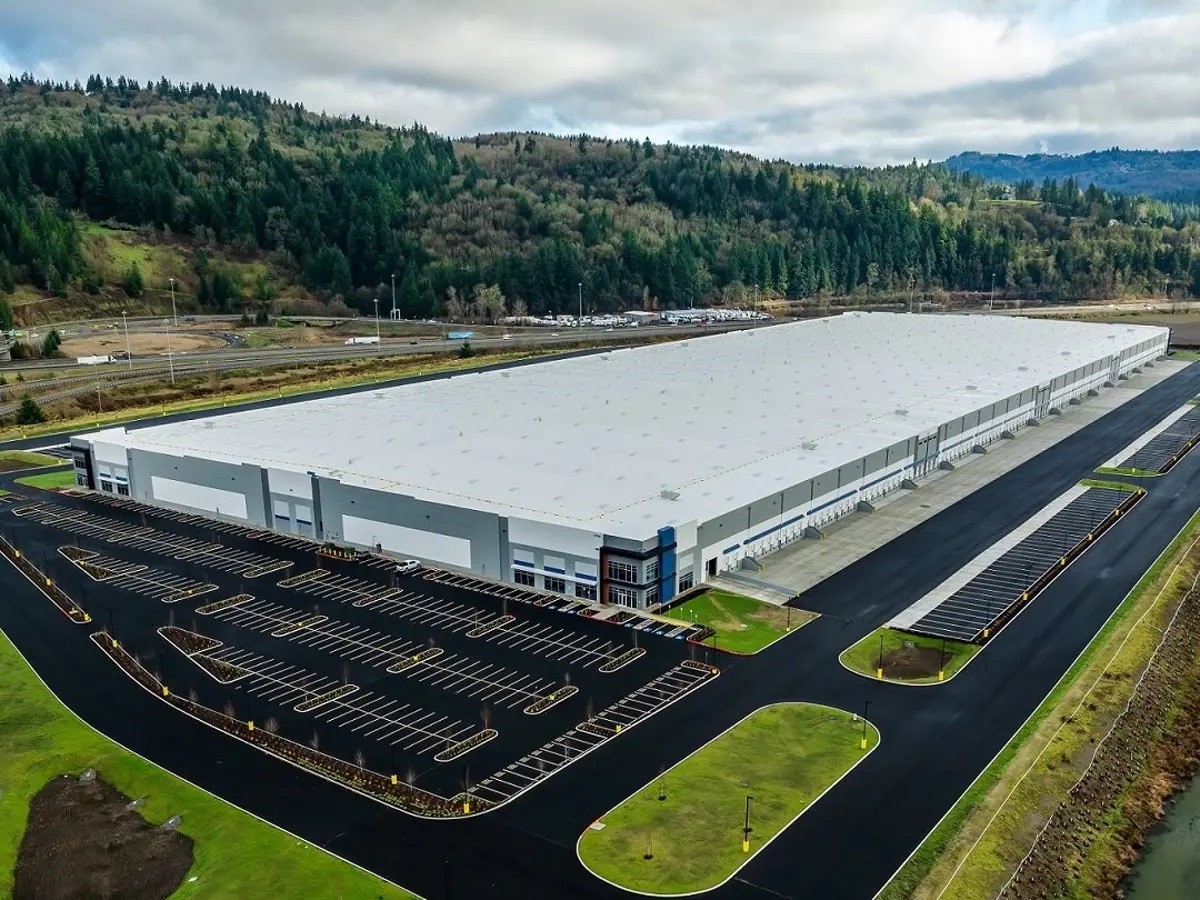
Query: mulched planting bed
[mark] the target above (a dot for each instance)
(912, 662)
(188, 641)
(416, 659)
(222, 671)
(209, 608)
(478, 739)
(542, 704)
(328, 697)
(623, 660)
(490, 625)
(311, 575)
(82, 841)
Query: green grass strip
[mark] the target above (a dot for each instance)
(910, 876)
(785, 756)
(1127, 472)
(50, 481)
(1110, 485)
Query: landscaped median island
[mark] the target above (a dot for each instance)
(684, 831)
(909, 658)
(739, 624)
(41, 740)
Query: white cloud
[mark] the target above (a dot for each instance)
(860, 80)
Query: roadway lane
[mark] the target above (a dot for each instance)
(935, 740)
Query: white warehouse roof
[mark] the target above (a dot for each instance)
(720, 420)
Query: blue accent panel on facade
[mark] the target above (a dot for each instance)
(666, 568)
(555, 569)
(521, 562)
(579, 576)
(831, 502)
(731, 549)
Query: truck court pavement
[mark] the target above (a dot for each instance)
(935, 741)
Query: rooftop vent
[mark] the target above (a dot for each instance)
(902, 412)
(972, 387)
(669, 495)
(808, 445)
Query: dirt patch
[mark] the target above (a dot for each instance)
(911, 662)
(139, 343)
(13, 465)
(82, 841)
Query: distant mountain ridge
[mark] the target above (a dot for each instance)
(1165, 174)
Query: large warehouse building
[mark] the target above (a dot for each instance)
(628, 475)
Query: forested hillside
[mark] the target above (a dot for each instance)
(1168, 175)
(322, 207)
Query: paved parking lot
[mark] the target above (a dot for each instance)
(987, 589)
(358, 660)
(1161, 448)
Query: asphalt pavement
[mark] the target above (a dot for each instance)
(935, 741)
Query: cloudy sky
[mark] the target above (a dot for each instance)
(832, 80)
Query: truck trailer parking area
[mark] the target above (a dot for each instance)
(453, 689)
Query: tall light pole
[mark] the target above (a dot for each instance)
(377, 345)
(862, 744)
(174, 315)
(992, 300)
(579, 324)
(393, 296)
(746, 829)
(170, 354)
(128, 352)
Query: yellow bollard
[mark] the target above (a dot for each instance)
(18, 552)
(745, 846)
(166, 691)
(941, 675)
(394, 782)
(985, 633)
(47, 581)
(466, 806)
(618, 728)
(250, 724)
(879, 673)
(862, 743)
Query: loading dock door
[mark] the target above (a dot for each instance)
(1041, 409)
(925, 458)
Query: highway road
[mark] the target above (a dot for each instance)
(934, 740)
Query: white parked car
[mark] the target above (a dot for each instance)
(408, 565)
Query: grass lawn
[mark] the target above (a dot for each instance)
(1185, 355)
(12, 459)
(50, 481)
(904, 663)
(236, 854)
(785, 756)
(742, 624)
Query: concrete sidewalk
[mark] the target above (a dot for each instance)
(800, 565)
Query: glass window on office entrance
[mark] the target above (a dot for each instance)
(556, 585)
(652, 570)
(123, 490)
(585, 591)
(651, 595)
(686, 582)
(622, 571)
(622, 596)
(520, 576)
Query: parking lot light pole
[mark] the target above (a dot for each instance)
(862, 744)
(393, 296)
(942, 662)
(128, 352)
(174, 314)
(377, 345)
(879, 667)
(579, 324)
(112, 628)
(746, 829)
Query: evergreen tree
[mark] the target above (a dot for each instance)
(29, 412)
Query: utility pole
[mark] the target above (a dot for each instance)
(579, 324)
(992, 299)
(128, 352)
(174, 315)
(393, 296)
